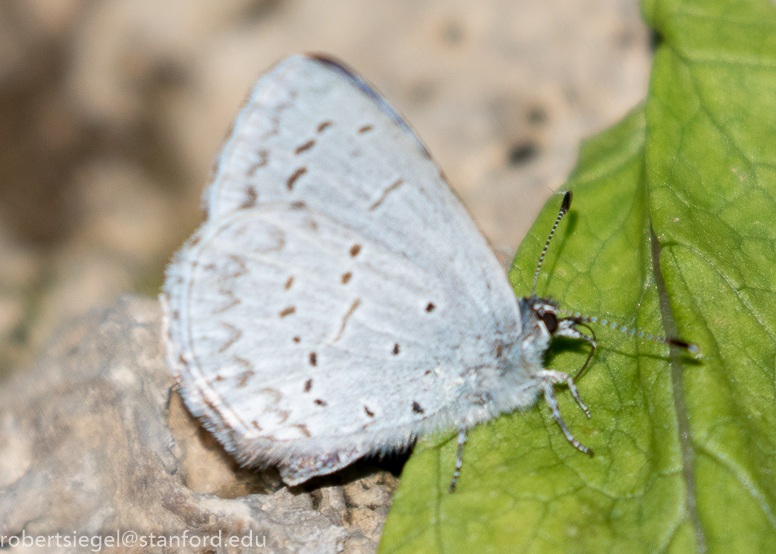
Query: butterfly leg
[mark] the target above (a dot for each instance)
(549, 379)
(459, 459)
(575, 394)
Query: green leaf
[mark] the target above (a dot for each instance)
(711, 167)
(685, 450)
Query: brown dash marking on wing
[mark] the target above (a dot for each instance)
(263, 159)
(289, 282)
(294, 176)
(365, 129)
(235, 302)
(396, 184)
(287, 311)
(236, 334)
(276, 397)
(304, 147)
(244, 377)
(275, 119)
(239, 271)
(274, 394)
(352, 309)
(250, 198)
(323, 126)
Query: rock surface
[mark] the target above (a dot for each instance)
(97, 442)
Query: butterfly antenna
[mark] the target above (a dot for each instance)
(582, 319)
(564, 209)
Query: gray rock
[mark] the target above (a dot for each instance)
(95, 441)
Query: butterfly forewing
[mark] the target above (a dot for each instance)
(338, 293)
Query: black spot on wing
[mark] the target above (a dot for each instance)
(417, 408)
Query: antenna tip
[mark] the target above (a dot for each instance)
(564, 207)
(690, 347)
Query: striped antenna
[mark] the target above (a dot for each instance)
(581, 318)
(564, 209)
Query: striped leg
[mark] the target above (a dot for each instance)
(549, 379)
(459, 459)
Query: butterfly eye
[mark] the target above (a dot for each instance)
(550, 321)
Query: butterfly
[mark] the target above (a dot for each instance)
(338, 300)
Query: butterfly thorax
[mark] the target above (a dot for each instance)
(512, 383)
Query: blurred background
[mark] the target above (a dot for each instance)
(111, 112)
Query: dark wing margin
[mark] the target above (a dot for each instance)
(350, 75)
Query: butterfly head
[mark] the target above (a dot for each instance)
(541, 322)
(544, 310)
(542, 318)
